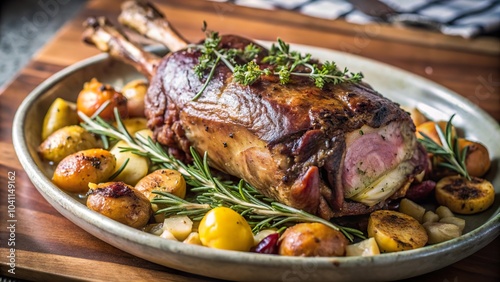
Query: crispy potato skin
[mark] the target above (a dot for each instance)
(165, 180)
(76, 171)
(66, 141)
(120, 202)
(312, 240)
(463, 196)
(395, 231)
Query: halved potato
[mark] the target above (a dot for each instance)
(395, 231)
(465, 196)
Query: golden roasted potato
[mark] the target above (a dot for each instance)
(66, 141)
(477, 160)
(395, 231)
(76, 171)
(94, 94)
(61, 113)
(417, 116)
(463, 196)
(137, 166)
(166, 180)
(120, 202)
(134, 125)
(312, 240)
(429, 129)
(135, 91)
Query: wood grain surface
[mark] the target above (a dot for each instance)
(51, 248)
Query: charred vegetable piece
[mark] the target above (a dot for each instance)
(120, 202)
(465, 196)
(76, 171)
(395, 231)
(312, 240)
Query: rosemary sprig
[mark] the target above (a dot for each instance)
(209, 191)
(282, 62)
(448, 149)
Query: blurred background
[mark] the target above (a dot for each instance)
(25, 26)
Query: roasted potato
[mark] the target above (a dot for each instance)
(463, 196)
(135, 91)
(66, 141)
(395, 231)
(95, 94)
(134, 125)
(166, 180)
(477, 161)
(120, 202)
(429, 129)
(136, 168)
(417, 116)
(312, 240)
(61, 113)
(76, 171)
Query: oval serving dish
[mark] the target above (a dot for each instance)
(402, 87)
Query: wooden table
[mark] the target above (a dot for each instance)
(49, 247)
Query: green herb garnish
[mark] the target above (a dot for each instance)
(449, 150)
(281, 62)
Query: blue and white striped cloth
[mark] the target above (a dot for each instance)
(466, 18)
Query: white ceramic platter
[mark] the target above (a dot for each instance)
(403, 87)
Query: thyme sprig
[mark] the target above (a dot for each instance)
(448, 149)
(209, 191)
(281, 62)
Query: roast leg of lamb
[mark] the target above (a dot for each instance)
(336, 151)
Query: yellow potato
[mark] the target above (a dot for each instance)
(137, 166)
(429, 129)
(463, 196)
(395, 231)
(134, 125)
(417, 116)
(61, 113)
(66, 141)
(135, 91)
(76, 171)
(120, 202)
(166, 180)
